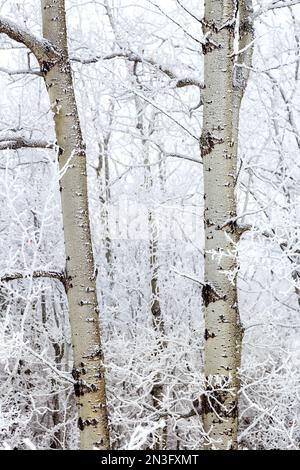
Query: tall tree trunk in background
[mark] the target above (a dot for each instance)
(157, 391)
(223, 334)
(81, 283)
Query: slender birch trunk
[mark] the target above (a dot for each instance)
(157, 391)
(81, 283)
(51, 52)
(223, 334)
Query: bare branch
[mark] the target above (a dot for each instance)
(155, 105)
(188, 11)
(187, 33)
(184, 157)
(187, 276)
(176, 154)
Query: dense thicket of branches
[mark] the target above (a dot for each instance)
(138, 77)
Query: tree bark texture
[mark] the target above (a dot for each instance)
(80, 271)
(223, 333)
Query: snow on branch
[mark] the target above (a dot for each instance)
(59, 373)
(41, 48)
(35, 274)
(21, 72)
(187, 276)
(180, 82)
(15, 143)
(274, 5)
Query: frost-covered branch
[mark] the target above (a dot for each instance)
(35, 274)
(274, 6)
(180, 82)
(57, 372)
(41, 48)
(173, 20)
(177, 155)
(188, 276)
(21, 72)
(15, 143)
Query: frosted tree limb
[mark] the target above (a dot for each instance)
(35, 274)
(187, 276)
(21, 72)
(132, 57)
(274, 6)
(15, 143)
(41, 48)
(60, 374)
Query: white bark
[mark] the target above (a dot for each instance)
(219, 151)
(52, 55)
(81, 283)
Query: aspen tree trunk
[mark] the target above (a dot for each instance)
(108, 243)
(81, 283)
(157, 391)
(52, 54)
(243, 61)
(54, 401)
(223, 333)
(103, 177)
